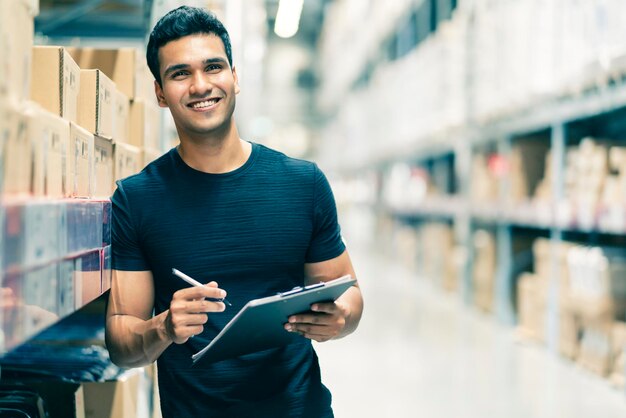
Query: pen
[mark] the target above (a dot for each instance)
(196, 283)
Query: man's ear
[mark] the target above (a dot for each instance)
(159, 94)
(237, 89)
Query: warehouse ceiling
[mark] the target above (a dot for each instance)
(132, 18)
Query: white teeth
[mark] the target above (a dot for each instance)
(204, 104)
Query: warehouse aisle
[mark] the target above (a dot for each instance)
(421, 353)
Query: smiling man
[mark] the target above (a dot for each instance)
(238, 216)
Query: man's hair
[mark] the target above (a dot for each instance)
(181, 22)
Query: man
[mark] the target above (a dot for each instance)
(227, 211)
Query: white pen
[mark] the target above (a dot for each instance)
(196, 283)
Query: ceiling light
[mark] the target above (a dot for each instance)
(288, 18)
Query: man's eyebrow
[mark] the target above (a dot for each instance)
(216, 60)
(174, 67)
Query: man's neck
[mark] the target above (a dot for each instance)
(215, 155)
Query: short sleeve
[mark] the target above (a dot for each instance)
(326, 242)
(125, 248)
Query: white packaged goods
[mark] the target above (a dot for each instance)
(16, 41)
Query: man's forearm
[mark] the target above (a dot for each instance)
(134, 342)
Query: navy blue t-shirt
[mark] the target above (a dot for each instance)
(251, 230)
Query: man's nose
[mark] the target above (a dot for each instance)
(200, 84)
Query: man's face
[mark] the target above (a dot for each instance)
(199, 87)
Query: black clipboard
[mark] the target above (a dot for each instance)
(259, 325)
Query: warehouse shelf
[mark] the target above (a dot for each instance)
(55, 259)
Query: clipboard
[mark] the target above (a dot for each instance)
(259, 325)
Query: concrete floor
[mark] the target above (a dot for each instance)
(420, 352)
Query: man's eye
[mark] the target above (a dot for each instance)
(213, 68)
(179, 74)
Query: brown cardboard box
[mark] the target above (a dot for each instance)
(50, 135)
(56, 81)
(595, 347)
(531, 304)
(127, 161)
(618, 356)
(82, 168)
(125, 66)
(15, 150)
(16, 41)
(145, 124)
(103, 162)
(96, 103)
(122, 117)
(569, 334)
(128, 396)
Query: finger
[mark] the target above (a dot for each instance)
(330, 308)
(195, 320)
(191, 293)
(309, 329)
(320, 318)
(181, 307)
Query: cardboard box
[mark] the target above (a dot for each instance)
(128, 396)
(125, 66)
(127, 161)
(87, 278)
(16, 41)
(145, 124)
(122, 117)
(56, 81)
(34, 233)
(103, 163)
(96, 103)
(85, 219)
(50, 135)
(16, 150)
(531, 305)
(595, 347)
(82, 162)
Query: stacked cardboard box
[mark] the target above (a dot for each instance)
(437, 255)
(484, 184)
(136, 122)
(484, 269)
(592, 301)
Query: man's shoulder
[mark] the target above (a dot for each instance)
(290, 165)
(151, 176)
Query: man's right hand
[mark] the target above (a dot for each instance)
(188, 311)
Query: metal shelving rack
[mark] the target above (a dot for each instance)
(553, 115)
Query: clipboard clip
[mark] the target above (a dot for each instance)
(299, 289)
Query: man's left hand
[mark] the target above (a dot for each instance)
(325, 321)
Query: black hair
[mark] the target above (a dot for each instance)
(181, 22)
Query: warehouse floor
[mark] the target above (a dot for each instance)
(420, 352)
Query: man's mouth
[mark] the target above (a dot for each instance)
(204, 104)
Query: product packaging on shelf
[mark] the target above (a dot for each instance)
(82, 162)
(127, 161)
(145, 123)
(85, 219)
(16, 41)
(122, 117)
(96, 103)
(103, 162)
(56, 81)
(50, 135)
(34, 233)
(125, 66)
(87, 278)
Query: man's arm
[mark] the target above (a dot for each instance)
(330, 320)
(133, 336)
